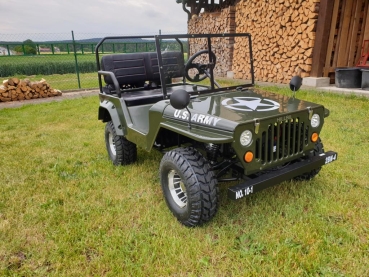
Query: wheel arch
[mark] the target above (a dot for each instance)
(109, 113)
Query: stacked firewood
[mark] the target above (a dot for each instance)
(210, 23)
(283, 36)
(283, 33)
(14, 89)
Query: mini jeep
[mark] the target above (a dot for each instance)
(210, 129)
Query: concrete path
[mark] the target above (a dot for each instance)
(331, 88)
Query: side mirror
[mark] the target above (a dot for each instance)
(180, 99)
(295, 83)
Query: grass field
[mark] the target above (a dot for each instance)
(65, 210)
(49, 58)
(67, 81)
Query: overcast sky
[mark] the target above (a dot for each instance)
(102, 17)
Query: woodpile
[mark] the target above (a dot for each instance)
(214, 23)
(14, 89)
(283, 33)
(283, 37)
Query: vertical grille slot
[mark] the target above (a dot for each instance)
(281, 140)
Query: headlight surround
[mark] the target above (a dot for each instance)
(315, 121)
(246, 138)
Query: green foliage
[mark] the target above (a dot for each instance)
(28, 48)
(65, 210)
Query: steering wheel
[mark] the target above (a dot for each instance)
(201, 68)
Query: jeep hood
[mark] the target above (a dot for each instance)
(227, 110)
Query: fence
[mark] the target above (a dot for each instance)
(65, 62)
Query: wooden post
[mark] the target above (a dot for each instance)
(321, 38)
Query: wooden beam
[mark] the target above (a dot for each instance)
(342, 59)
(339, 34)
(193, 6)
(355, 46)
(321, 38)
(364, 33)
(366, 24)
(328, 59)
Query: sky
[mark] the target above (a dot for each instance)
(87, 18)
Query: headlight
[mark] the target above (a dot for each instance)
(315, 121)
(246, 138)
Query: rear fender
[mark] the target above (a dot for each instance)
(108, 112)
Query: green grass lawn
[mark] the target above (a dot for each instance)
(65, 210)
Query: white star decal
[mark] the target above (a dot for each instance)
(250, 104)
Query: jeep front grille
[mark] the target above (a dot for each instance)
(281, 140)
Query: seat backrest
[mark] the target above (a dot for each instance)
(173, 63)
(137, 68)
(129, 69)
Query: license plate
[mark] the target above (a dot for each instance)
(330, 158)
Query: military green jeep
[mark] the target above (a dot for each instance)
(210, 129)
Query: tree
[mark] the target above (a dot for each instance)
(29, 47)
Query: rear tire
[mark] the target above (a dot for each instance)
(318, 149)
(189, 186)
(120, 150)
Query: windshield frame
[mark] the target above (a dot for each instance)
(178, 37)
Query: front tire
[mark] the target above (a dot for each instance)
(189, 186)
(120, 150)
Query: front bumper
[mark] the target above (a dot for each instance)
(275, 177)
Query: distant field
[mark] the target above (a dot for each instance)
(46, 57)
(45, 64)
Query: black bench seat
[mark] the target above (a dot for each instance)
(135, 72)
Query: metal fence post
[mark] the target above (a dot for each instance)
(75, 58)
